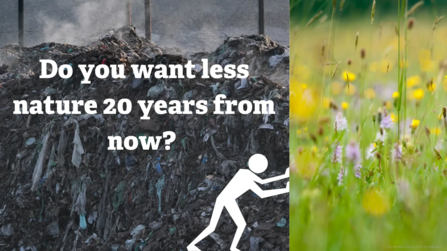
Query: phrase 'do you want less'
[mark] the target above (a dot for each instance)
(124, 106)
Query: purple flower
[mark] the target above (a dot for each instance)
(353, 152)
(357, 169)
(341, 175)
(396, 153)
(387, 122)
(337, 155)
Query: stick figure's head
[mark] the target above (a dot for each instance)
(258, 163)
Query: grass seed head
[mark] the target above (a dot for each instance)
(396, 29)
(373, 11)
(357, 39)
(363, 53)
(427, 132)
(437, 20)
(336, 69)
(314, 18)
(320, 131)
(414, 8)
(411, 23)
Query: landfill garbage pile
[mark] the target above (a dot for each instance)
(61, 189)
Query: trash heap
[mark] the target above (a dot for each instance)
(61, 189)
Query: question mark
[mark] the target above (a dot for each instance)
(170, 137)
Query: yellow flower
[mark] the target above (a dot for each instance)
(388, 105)
(418, 94)
(302, 72)
(413, 81)
(431, 86)
(374, 66)
(336, 88)
(384, 66)
(370, 93)
(304, 86)
(393, 117)
(348, 76)
(350, 90)
(414, 123)
(303, 102)
(375, 202)
(436, 131)
(425, 61)
(396, 95)
(344, 105)
(427, 66)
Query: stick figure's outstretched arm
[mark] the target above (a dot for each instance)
(268, 193)
(270, 180)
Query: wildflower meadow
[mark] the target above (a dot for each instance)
(368, 131)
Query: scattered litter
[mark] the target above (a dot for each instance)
(63, 190)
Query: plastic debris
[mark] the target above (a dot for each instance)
(52, 229)
(281, 223)
(30, 141)
(68, 176)
(159, 186)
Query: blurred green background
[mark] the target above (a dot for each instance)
(302, 10)
(390, 202)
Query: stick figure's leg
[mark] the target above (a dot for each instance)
(218, 207)
(238, 218)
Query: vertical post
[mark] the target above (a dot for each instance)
(129, 12)
(261, 17)
(147, 19)
(21, 21)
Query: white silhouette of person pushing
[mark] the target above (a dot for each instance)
(243, 181)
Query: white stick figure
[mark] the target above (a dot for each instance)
(243, 181)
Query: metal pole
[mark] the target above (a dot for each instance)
(129, 12)
(21, 21)
(147, 19)
(261, 17)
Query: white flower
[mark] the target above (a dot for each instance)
(370, 151)
(341, 123)
(381, 136)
